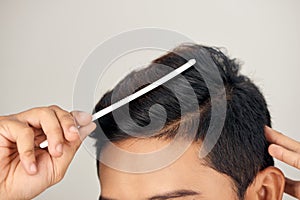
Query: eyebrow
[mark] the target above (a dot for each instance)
(174, 194)
(169, 195)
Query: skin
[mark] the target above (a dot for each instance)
(179, 176)
(26, 170)
(286, 150)
(180, 180)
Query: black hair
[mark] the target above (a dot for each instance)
(241, 151)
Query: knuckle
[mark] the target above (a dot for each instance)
(27, 153)
(54, 107)
(44, 112)
(67, 117)
(6, 124)
(37, 110)
(9, 117)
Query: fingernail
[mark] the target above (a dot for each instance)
(73, 129)
(33, 168)
(59, 148)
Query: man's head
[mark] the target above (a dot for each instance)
(238, 167)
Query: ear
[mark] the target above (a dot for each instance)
(267, 185)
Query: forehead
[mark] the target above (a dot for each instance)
(187, 173)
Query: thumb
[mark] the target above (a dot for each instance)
(86, 126)
(84, 120)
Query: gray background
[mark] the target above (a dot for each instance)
(43, 43)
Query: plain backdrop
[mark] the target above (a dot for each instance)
(43, 43)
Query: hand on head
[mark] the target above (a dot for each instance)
(26, 169)
(286, 150)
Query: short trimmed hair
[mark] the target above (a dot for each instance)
(241, 150)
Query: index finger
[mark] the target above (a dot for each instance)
(46, 118)
(278, 138)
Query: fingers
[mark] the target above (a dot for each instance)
(286, 150)
(282, 140)
(60, 128)
(63, 162)
(82, 118)
(25, 144)
(23, 136)
(292, 188)
(52, 128)
(57, 124)
(283, 147)
(28, 129)
(67, 123)
(47, 120)
(290, 157)
(84, 131)
(84, 121)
